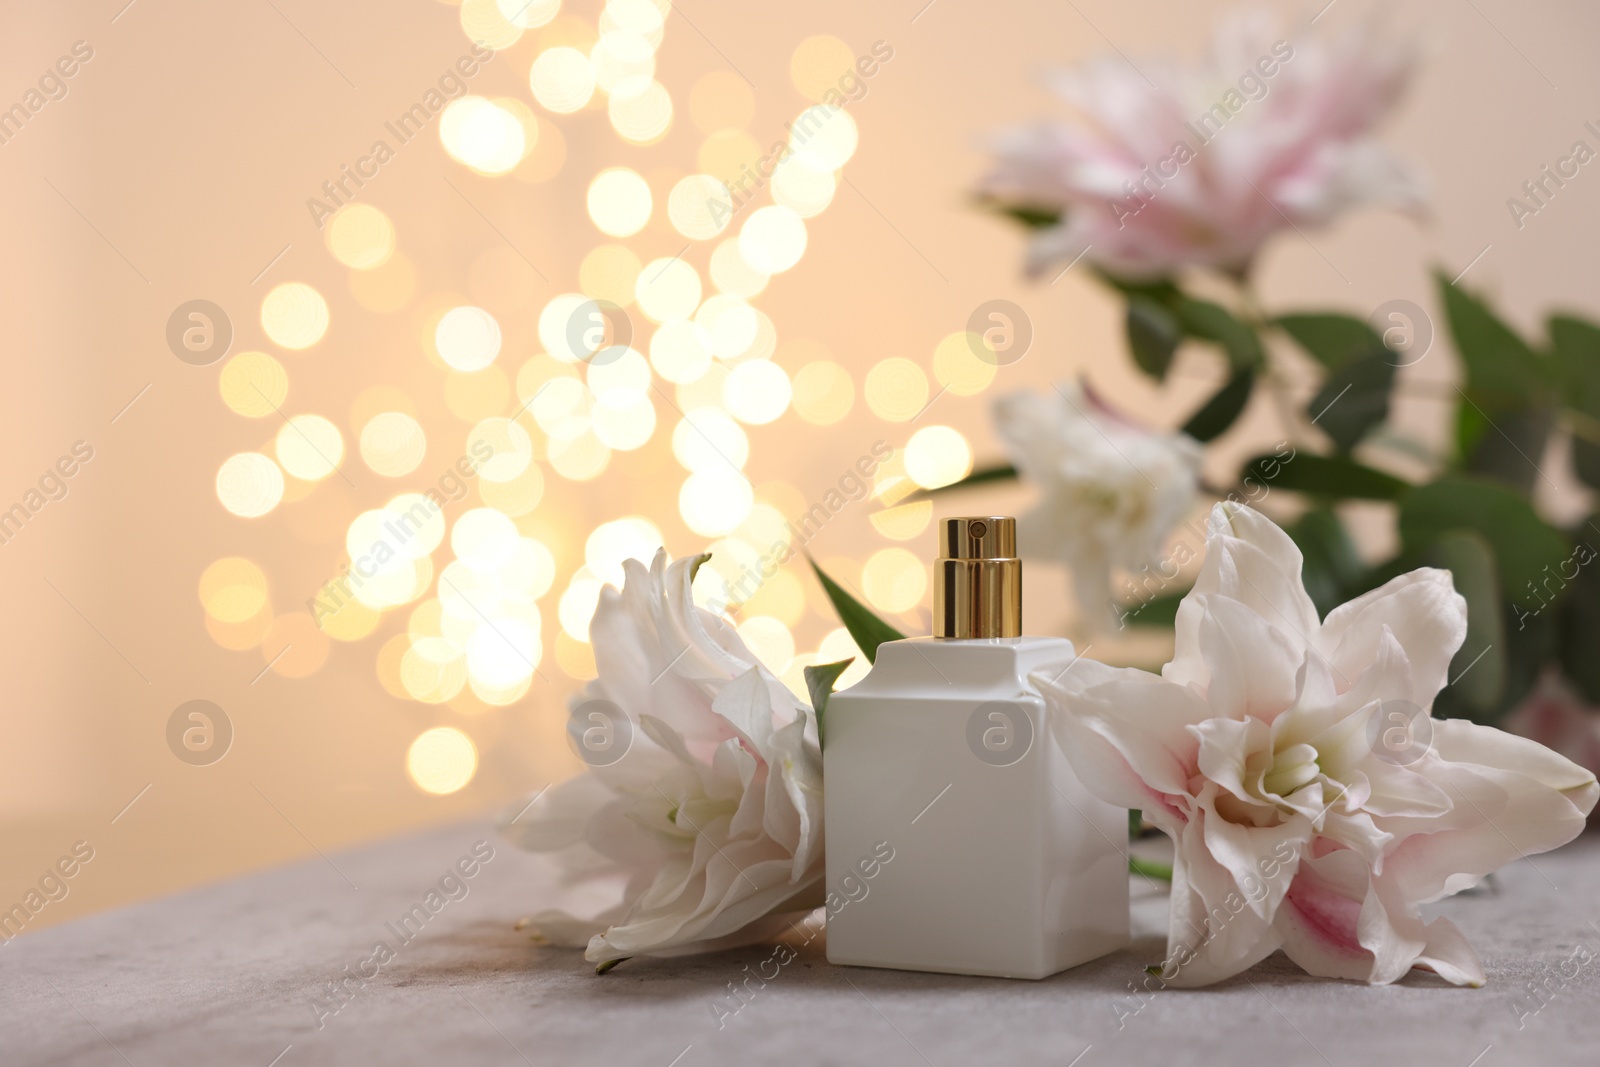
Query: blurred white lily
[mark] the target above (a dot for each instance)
(1110, 490)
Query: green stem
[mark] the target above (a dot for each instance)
(1150, 869)
(1272, 374)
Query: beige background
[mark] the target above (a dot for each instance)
(178, 165)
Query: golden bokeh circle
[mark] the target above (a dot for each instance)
(958, 367)
(894, 580)
(233, 589)
(610, 272)
(294, 315)
(772, 239)
(823, 392)
(253, 384)
(249, 484)
(562, 80)
(487, 22)
(819, 64)
(757, 392)
(360, 236)
(309, 447)
(351, 621)
(937, 456)
(896, 389)
(641, 112)
(727, 154)
(619, 201)
(441, 761)
(700, 207)
(393, 444)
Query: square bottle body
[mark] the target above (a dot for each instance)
(1002, 863)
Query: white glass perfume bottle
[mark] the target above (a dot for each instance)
(958, 837)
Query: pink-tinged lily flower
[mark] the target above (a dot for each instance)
(1175, 166)
(698, 826)
(1313, 801)
(1556, 715)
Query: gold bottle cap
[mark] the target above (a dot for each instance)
(977, 579)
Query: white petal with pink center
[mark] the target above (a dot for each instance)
(1257, 750)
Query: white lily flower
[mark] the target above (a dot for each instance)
(1111, 490)
(1312, 800)
(706, 832)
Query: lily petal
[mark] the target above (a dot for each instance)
(1320, 921)
(1248, 559)
(1421, 609)
(1252, 854)
(558, 817)
(1511, 798)
(567, 930)
(1123, 731)
(1252, 664)
(1213, 933)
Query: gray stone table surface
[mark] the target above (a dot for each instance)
(238, 973)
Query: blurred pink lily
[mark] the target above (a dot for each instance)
(1197, 166)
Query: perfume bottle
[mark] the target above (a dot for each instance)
(958, 837)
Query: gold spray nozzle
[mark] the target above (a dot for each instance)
(977, 579)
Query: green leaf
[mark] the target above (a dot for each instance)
(608, 964)
(1160, 315)
(1586, 461)
(1472, 426)
(1579, 630)
(1506, 446)
(1225, 405)
(866, 628)
(819, 683)
(1161, 611)
(1576, 345)
(1354, 400)
(1000, 472)
(1335, 477)
(1333, 339)
(1153, 336)
(1503, 371)
(1212, 322)
(1478, 671)
(1524, 545)
(1532, 645)
(1163, 291)
(1332, 565)
(1374, 576)
(1033, 217)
